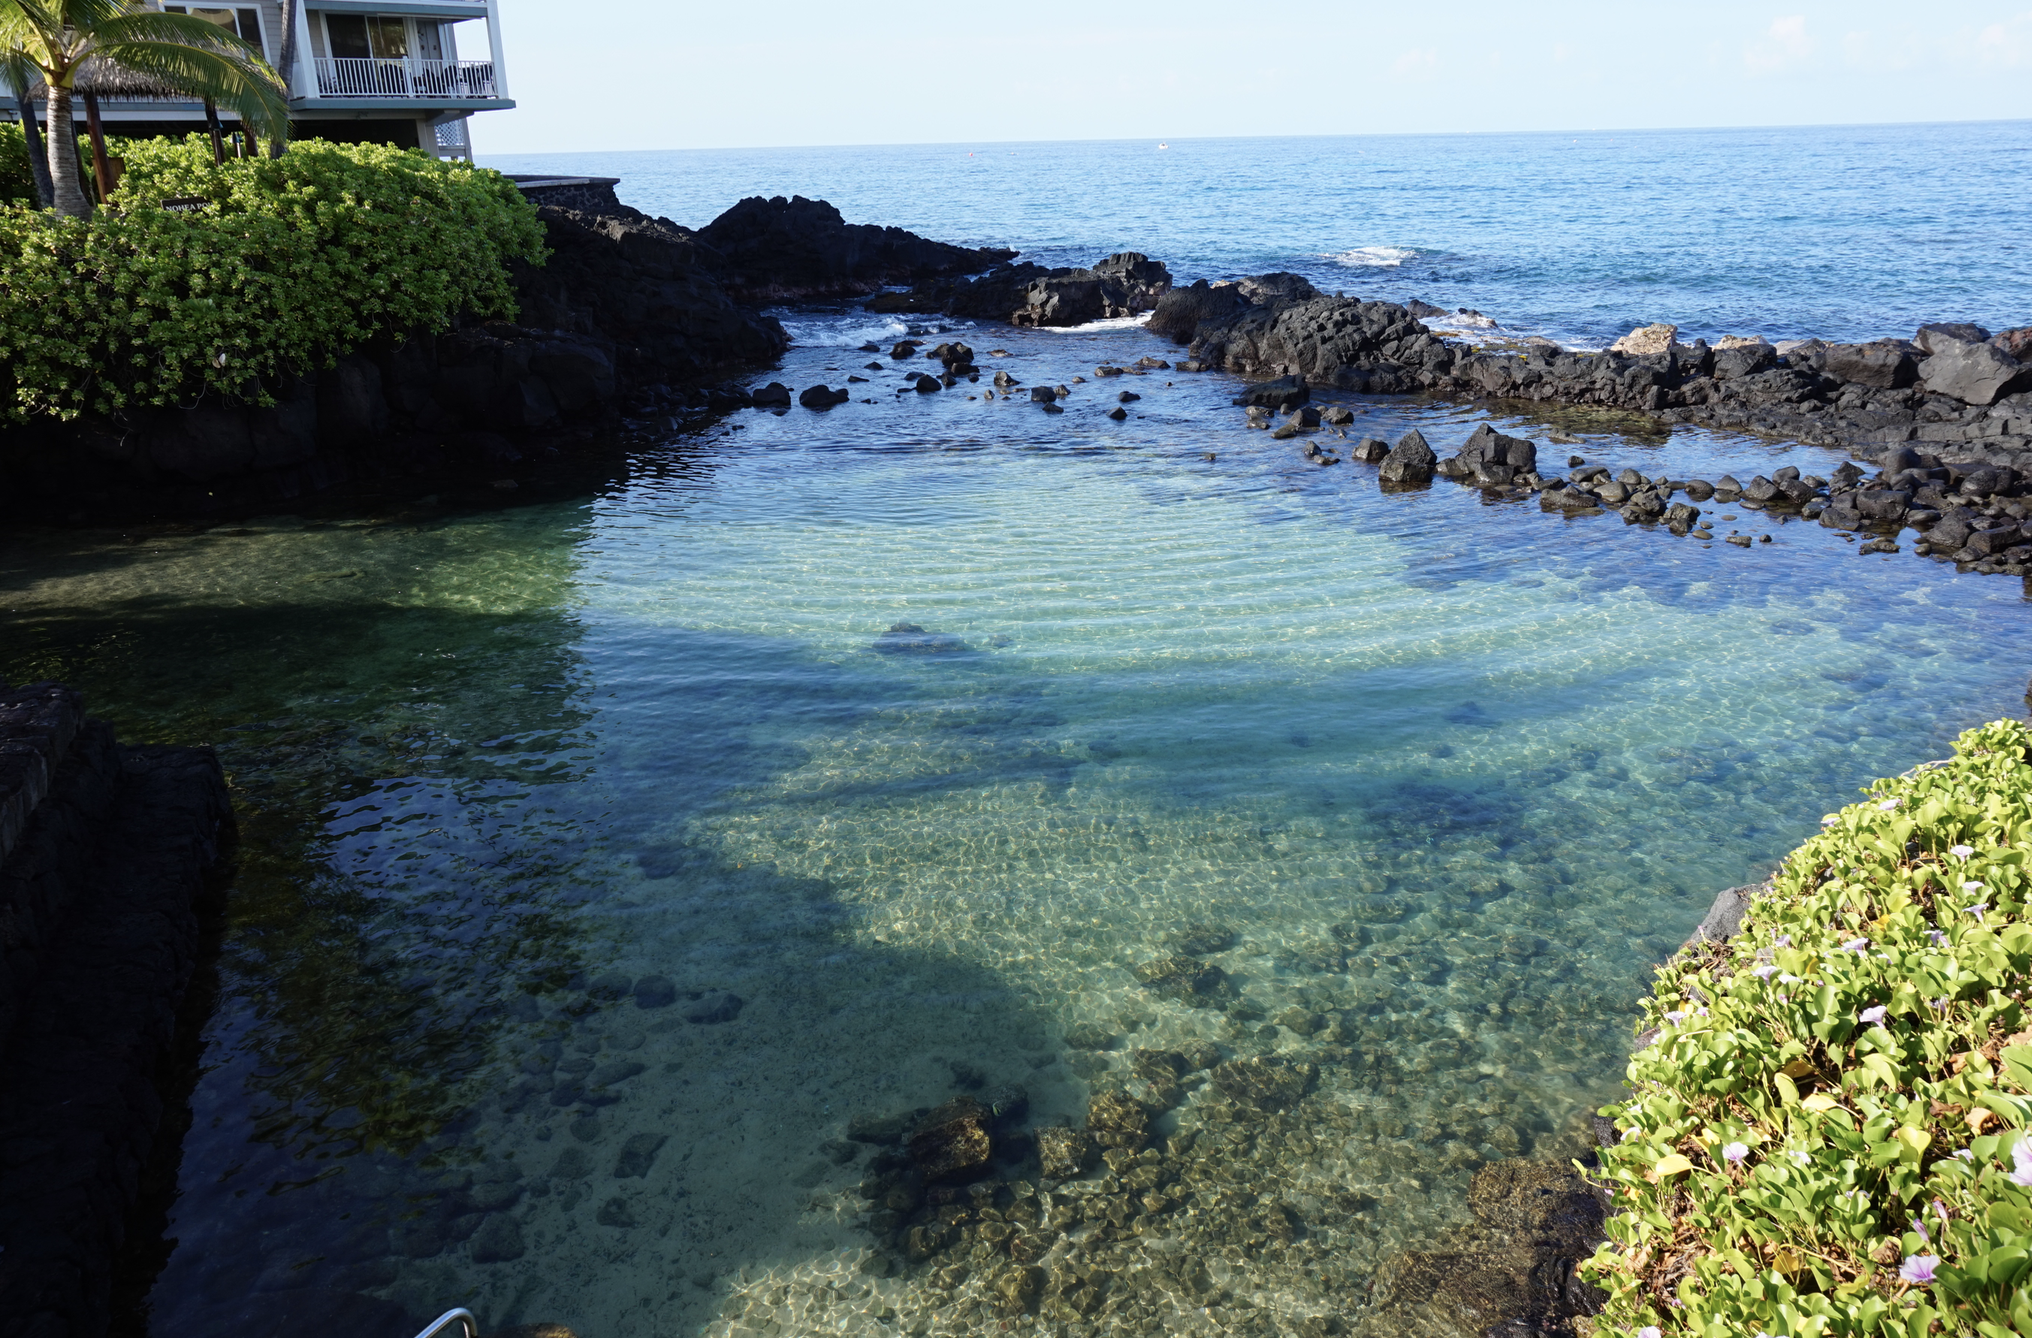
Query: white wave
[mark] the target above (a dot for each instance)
(1375, 257)
(849, 331)
(1094, 327)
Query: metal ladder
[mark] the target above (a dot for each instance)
(461, 1317)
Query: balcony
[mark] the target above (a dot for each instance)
(367, 77)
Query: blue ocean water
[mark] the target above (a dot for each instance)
(1839, 233)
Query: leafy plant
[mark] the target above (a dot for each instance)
(292, 262)
(1829, 1135)
(16, 185)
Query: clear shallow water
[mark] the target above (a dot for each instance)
(1447, 777)
(1838, 232)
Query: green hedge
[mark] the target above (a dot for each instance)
(1829, 1136)
(294, 261)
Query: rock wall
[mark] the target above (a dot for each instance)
(103, 880)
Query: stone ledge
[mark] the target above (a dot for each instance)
(37, 724)
(100, 907)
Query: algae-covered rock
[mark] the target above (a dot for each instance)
(1063, 1153)
(1186, 979)
(953, 1142)
(1264, 1083)
(1117, 1122)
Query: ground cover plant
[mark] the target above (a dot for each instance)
(1829, 1134)
(280, 266)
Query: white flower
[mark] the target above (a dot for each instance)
(1648, 1331)
(1856, 945)
(1977, 909)
(1763, 970)
(1783, 940)
(1888, 805)
(1735, 1152)
(1788, 979)
(1632, 1132)
(1872, 1015)
(1971, 886)
(1799, 1157)
(1675, 1017)
(2022, 1156)
(1961, 852)
(1964, 1154)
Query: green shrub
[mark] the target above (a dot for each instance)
(294, 261)
(1829, 1136)
(17, 186)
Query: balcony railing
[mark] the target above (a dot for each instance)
(357, 77)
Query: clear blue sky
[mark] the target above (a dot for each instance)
(651, 74)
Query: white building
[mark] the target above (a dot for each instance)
(403, 72)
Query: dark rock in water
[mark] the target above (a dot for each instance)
(1285, 392)
(1410, 463)
(1277, 287)
(1370, 451)
(1087, 1036)
(953, 1142)
(1064, 1153)
(1118, 413)
(925, 385)
(1883, 503)
(1186, 979)
(1105, 371)
(638, 1154)
(1337, 416)
(1200, 1056)
(1003, 380)
(799, 250)
(1042, 395)
(1760, 489)
(1017, 1288)
(1128, 397)
(1008, 1103)
(615, 1212)
(1121, 285)
(772, 396)
(1265, 1083)
(1681, 515)
(1512, 1271)
(823, 397)
(1150, 364)
(1117, 1122)
(1699, 489)
(1490, 447)
(714, 1006)
(905, 348)
(910, 639)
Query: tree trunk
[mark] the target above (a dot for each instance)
(102, 171)
(288, 66)
(66, 189)
(38, 156)
(218, 139)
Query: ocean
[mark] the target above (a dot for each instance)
(1838, 233)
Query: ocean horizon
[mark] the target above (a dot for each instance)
(1836, 232)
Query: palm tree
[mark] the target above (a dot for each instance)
(178, 52)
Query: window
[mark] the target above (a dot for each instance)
(357, 37)
(244, 24)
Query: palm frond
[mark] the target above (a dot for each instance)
(247, 86)
(149, 26)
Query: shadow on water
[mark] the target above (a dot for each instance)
(474, 968)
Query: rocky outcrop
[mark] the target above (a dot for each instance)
(102, 883)
(1125, 284)
(799, 250)
(1947, 392)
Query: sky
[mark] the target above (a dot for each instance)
(651, 74)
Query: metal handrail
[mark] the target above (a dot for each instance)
(459, 1314)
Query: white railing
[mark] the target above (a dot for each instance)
(358, 77)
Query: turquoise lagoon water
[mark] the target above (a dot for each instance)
(1445, 775)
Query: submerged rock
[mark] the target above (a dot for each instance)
(1265, 1083)
(1115, 1121)
(1186, 979)
(1062, 1153)
(910, 639)
(953, 1142)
